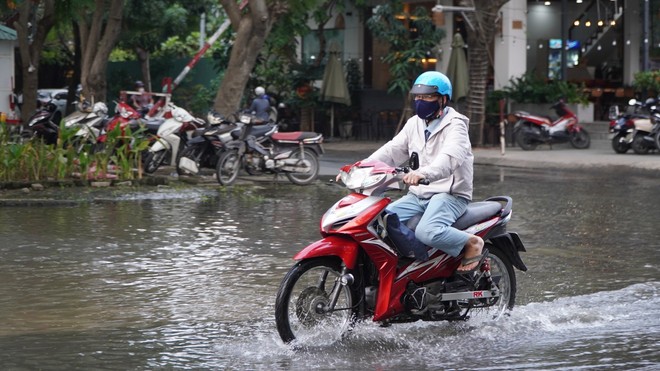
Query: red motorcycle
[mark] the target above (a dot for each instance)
(360, 268)
(127, 118)
(531, 130)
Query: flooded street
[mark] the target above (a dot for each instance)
(186, 279)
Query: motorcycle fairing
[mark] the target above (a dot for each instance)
(538, 120)
(347, 209)
(342, 247)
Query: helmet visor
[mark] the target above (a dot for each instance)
(424, 89)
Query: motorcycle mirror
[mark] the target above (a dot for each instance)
(413, 163)
(613, 113)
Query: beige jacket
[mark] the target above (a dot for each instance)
(445, 160)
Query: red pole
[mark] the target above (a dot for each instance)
(206, 46)
(223, 27)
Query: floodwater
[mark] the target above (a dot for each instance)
(186, 279)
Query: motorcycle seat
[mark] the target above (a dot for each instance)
(260, 130)
(475, 213)
(295, 135)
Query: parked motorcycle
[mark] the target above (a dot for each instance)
(127, 119)
(532, 130)
(294, 154)
(42, 126)
(643, 135)
(360, 269)
(622, 124)
(203, 148)
(172, 136)
(89, 121)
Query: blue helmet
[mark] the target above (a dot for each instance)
(432, 82)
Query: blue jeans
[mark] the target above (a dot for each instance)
(439, 213)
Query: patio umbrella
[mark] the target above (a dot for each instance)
(457, 70)
(334, 88)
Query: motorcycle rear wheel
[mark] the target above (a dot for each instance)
(580, 139)
(229, 164)
(303, 293)
(639, 144)
(525, 140)
(313, 170)
(153, 160)
(619, 144)
(502, 273)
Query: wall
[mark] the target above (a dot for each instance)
(7, 75)
(511, 44)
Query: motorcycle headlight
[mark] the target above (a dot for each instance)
(123, 112)
(33, 121)
(245, 119)
(361, 178)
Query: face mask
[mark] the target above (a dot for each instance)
(426, 109)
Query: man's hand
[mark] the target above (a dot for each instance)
(412, 178)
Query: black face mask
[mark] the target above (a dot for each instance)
(425, 109)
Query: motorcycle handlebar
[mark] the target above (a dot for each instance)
(406, 169)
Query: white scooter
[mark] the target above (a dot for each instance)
(172, 136)
(89, 122)
(643, 141)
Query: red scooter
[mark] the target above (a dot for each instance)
(531, 130)
(127, 117)
(363, 266)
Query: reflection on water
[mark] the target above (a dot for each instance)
(187, 279)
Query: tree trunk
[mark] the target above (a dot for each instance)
(98, 37)
(480, 58)
(30, 51)
(75, 80)
(145, 66)
(252, 28)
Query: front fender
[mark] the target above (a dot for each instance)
(343, 247)
(159, 145)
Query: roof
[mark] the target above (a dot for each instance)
(7, 33)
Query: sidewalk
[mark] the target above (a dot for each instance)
(562, 156)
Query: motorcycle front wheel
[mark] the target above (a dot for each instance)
(619, 143)
(310, 163)
(580, 139)
(153, 160)
(302, 301)
(229, 164)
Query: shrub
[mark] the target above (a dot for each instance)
(532, 89)
(646, 81)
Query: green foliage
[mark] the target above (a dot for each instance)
(147, 23)
(197, 98)
(407, 48)
(647, 80)
(529, 88)
(36, 161)
(122, 55)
